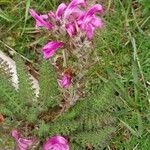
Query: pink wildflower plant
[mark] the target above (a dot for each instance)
(56, 143)
(77, 24)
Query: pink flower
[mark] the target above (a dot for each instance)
(56, 143)
(95, 9)
(89, 24)
(89, 21)
(60, 10)
(65, 81)
(40, 20)
(22, 143)
(50, 48)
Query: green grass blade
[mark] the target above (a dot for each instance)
(5, 16)
(134, 132)
(140, 124)
(26, 14)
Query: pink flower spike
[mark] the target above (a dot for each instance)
(71, 29)
(95, 9)
(22, 143)
(56, 143)
(40, 20)
(60, 10)
(65, 82)
(50, 48)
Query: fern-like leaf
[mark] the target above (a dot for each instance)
(48, 86)
(97, 139)
(8, 96)
(26, 93)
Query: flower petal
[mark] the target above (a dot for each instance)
(40, 24)
(74, 3)
(72, 7)
(95, 9)
(50, 48)
(60, 10)
(24, 144)
(96, 22)
(90, 31)
(40, 20)
(71, 29)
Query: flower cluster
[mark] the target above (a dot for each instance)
(69, 19)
